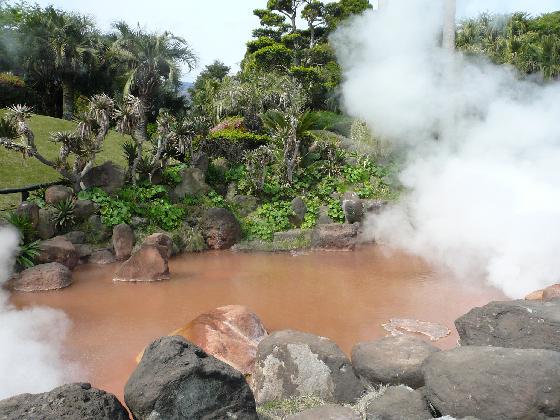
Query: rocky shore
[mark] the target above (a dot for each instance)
(225, 364)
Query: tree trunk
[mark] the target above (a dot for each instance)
(449, 25)
(67, 100)
(141, 129)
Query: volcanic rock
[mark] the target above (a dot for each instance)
(57, 193)
(60, 250)
(123, 241)
(399, 403)
(42, 277)
(220, 228)
(149, 263)
(335, 236)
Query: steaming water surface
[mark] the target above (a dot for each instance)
(345, 296)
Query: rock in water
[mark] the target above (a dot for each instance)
(59, 250)
(123, 241)
(162, 240)
(108, 176)
(149, 263)
(230, 334)
(335, 236)
(519, 324)
(494, 383)
(73, 401)
(102, 257)
(220, 228)
(292, 363)
(399, 403)
(326, 412)
(178, 380)
(42, 277)
(392, 361)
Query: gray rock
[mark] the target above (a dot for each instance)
(193, 182)
(519, 324)
(84, 251)
(324, 218)
(300, 209)
(374, 206)
(392, 361)
(177, 380)
(76, 237)
(59, 250)
(57, 193)
(201, 162)
(102, 257)
(108, 176)
(73, 401)
(42, 277)
(292, 363)
(97, 230)
(83, 209)
(494, 383)
(335, 236)
(246, 204)
(399, 403)
(220, 228)
(46, 227)
(326, 412)
(123, 241)
(30, 211)
(353, 209)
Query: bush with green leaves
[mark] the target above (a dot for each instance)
(63, 215)
(28, 246)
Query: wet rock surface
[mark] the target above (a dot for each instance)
(42, 277)
(399, 403)
(149, 263)
(291, 363)
(162, 240)
(220, 228)
(520, 324)
(73, 401)
(59, 250)
(178, 380)
(494, 383)
(392, 361)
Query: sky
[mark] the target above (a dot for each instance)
(219, 29)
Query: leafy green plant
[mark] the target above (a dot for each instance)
(268, 219)
(63, 216)
(28, 253)
(24, 226)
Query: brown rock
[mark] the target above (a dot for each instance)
(43, 277)
(537, 295)
(108, 176)
(57, 194)
(552, 292)
(230, 334)
(102, 257)
(123, 241)
(335, 236)
(30, 211)
(148, 264)
(162, 240)
(220, 229)
(59, 250)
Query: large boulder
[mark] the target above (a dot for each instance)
(46, 228)
(123, 241)
(326, 412)
(73, 401)
(60, 250)
(149, 263)
(230, 334)
(57, 193)
(519, 324)
(108, 176)
(220, 228)
(353, 208)
(335, 236)
(178, 380)
(162, 240)
(83, 209)
(193, 182)
(299, 210)
(398, 403)
(494, 383)
(392, 361)
(291, 363)
(42, 277)
(30, 211)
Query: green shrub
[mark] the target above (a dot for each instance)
(28, 253)
(268, 219)
(63, 216)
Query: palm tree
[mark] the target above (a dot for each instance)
(151, 61)
(69, 39)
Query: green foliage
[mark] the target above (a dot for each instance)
(112, 210)
(267, 219)
(24, 226)
(28, 247)
(273, 57)
(63, 216)
(260, 43)
(187, 239)
(173, 174)
(28, 253)
(239, 135)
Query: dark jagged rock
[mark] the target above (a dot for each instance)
(519, 324)
(73, 401)
(292, 363)
(300, 209)
(494, 383)
(193, 182)
(177, 380)
(30, 211)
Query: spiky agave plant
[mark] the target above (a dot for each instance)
(63, 216)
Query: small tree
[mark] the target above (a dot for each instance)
(257, 162)
(82, 145)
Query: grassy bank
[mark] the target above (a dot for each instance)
(16, 171)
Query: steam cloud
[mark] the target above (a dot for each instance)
(482, 148)
(31, 340)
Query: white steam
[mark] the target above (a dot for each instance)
(31, 340)
(483, 148)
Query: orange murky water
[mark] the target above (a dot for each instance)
(345, 296)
